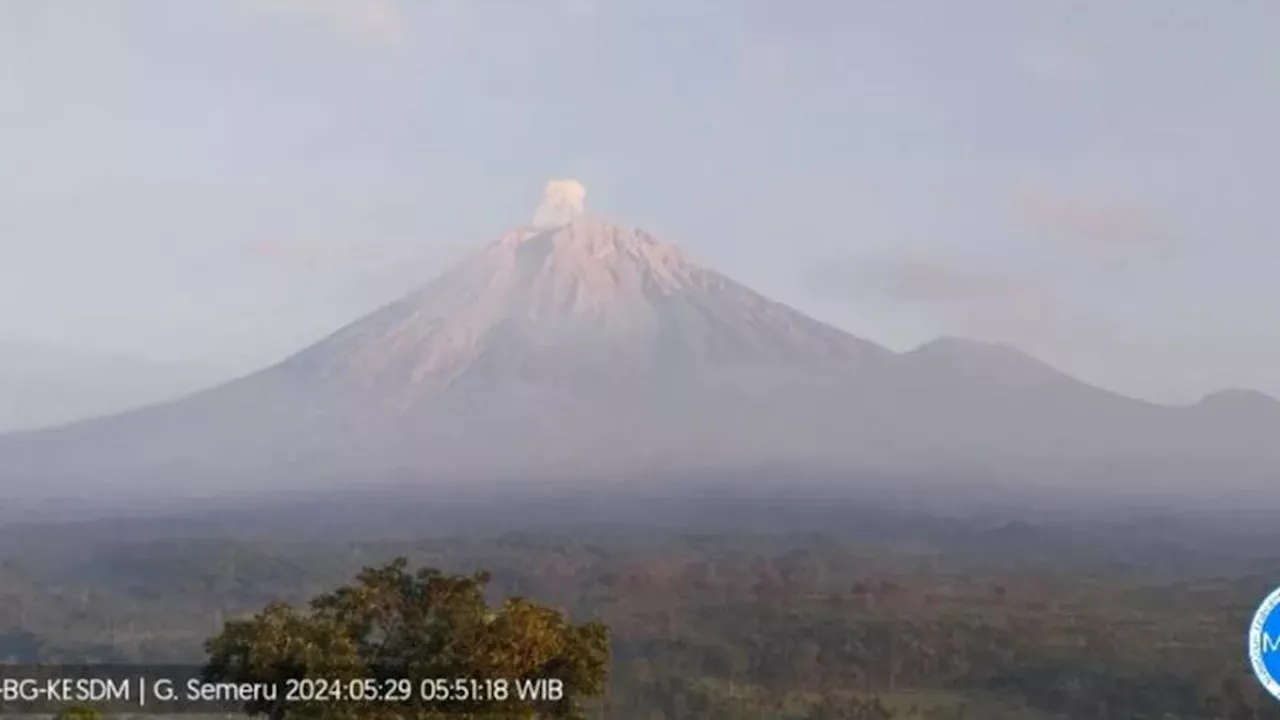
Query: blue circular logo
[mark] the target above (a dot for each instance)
(1264, 643)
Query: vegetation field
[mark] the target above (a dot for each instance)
(906, 616)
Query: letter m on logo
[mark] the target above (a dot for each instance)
(1270, 644)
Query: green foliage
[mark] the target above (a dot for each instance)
(391, 625)
(923, 619)
(78, 712)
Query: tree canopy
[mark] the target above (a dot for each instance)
(392, 630)
(78, 712)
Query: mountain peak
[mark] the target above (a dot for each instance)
(597, 252)
(583, 301)
(958, 348)
(1240, 398)
(978, 357)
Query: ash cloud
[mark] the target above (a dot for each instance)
(562, 201)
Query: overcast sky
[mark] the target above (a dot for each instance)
(223, 182)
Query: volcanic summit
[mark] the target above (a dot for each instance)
(576, 344)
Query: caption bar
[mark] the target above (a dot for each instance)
(27, 689)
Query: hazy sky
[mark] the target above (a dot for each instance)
(225, 181)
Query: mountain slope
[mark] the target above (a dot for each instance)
(589, 347)
(513, 358)
(584, 302)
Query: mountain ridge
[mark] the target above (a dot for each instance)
(542, 286)
(594, 347)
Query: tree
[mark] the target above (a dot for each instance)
(391, 631)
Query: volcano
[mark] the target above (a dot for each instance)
(582, 346)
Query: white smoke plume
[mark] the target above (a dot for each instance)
(562, 201)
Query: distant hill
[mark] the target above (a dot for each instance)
(42, 386)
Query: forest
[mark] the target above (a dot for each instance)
(882, 615)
